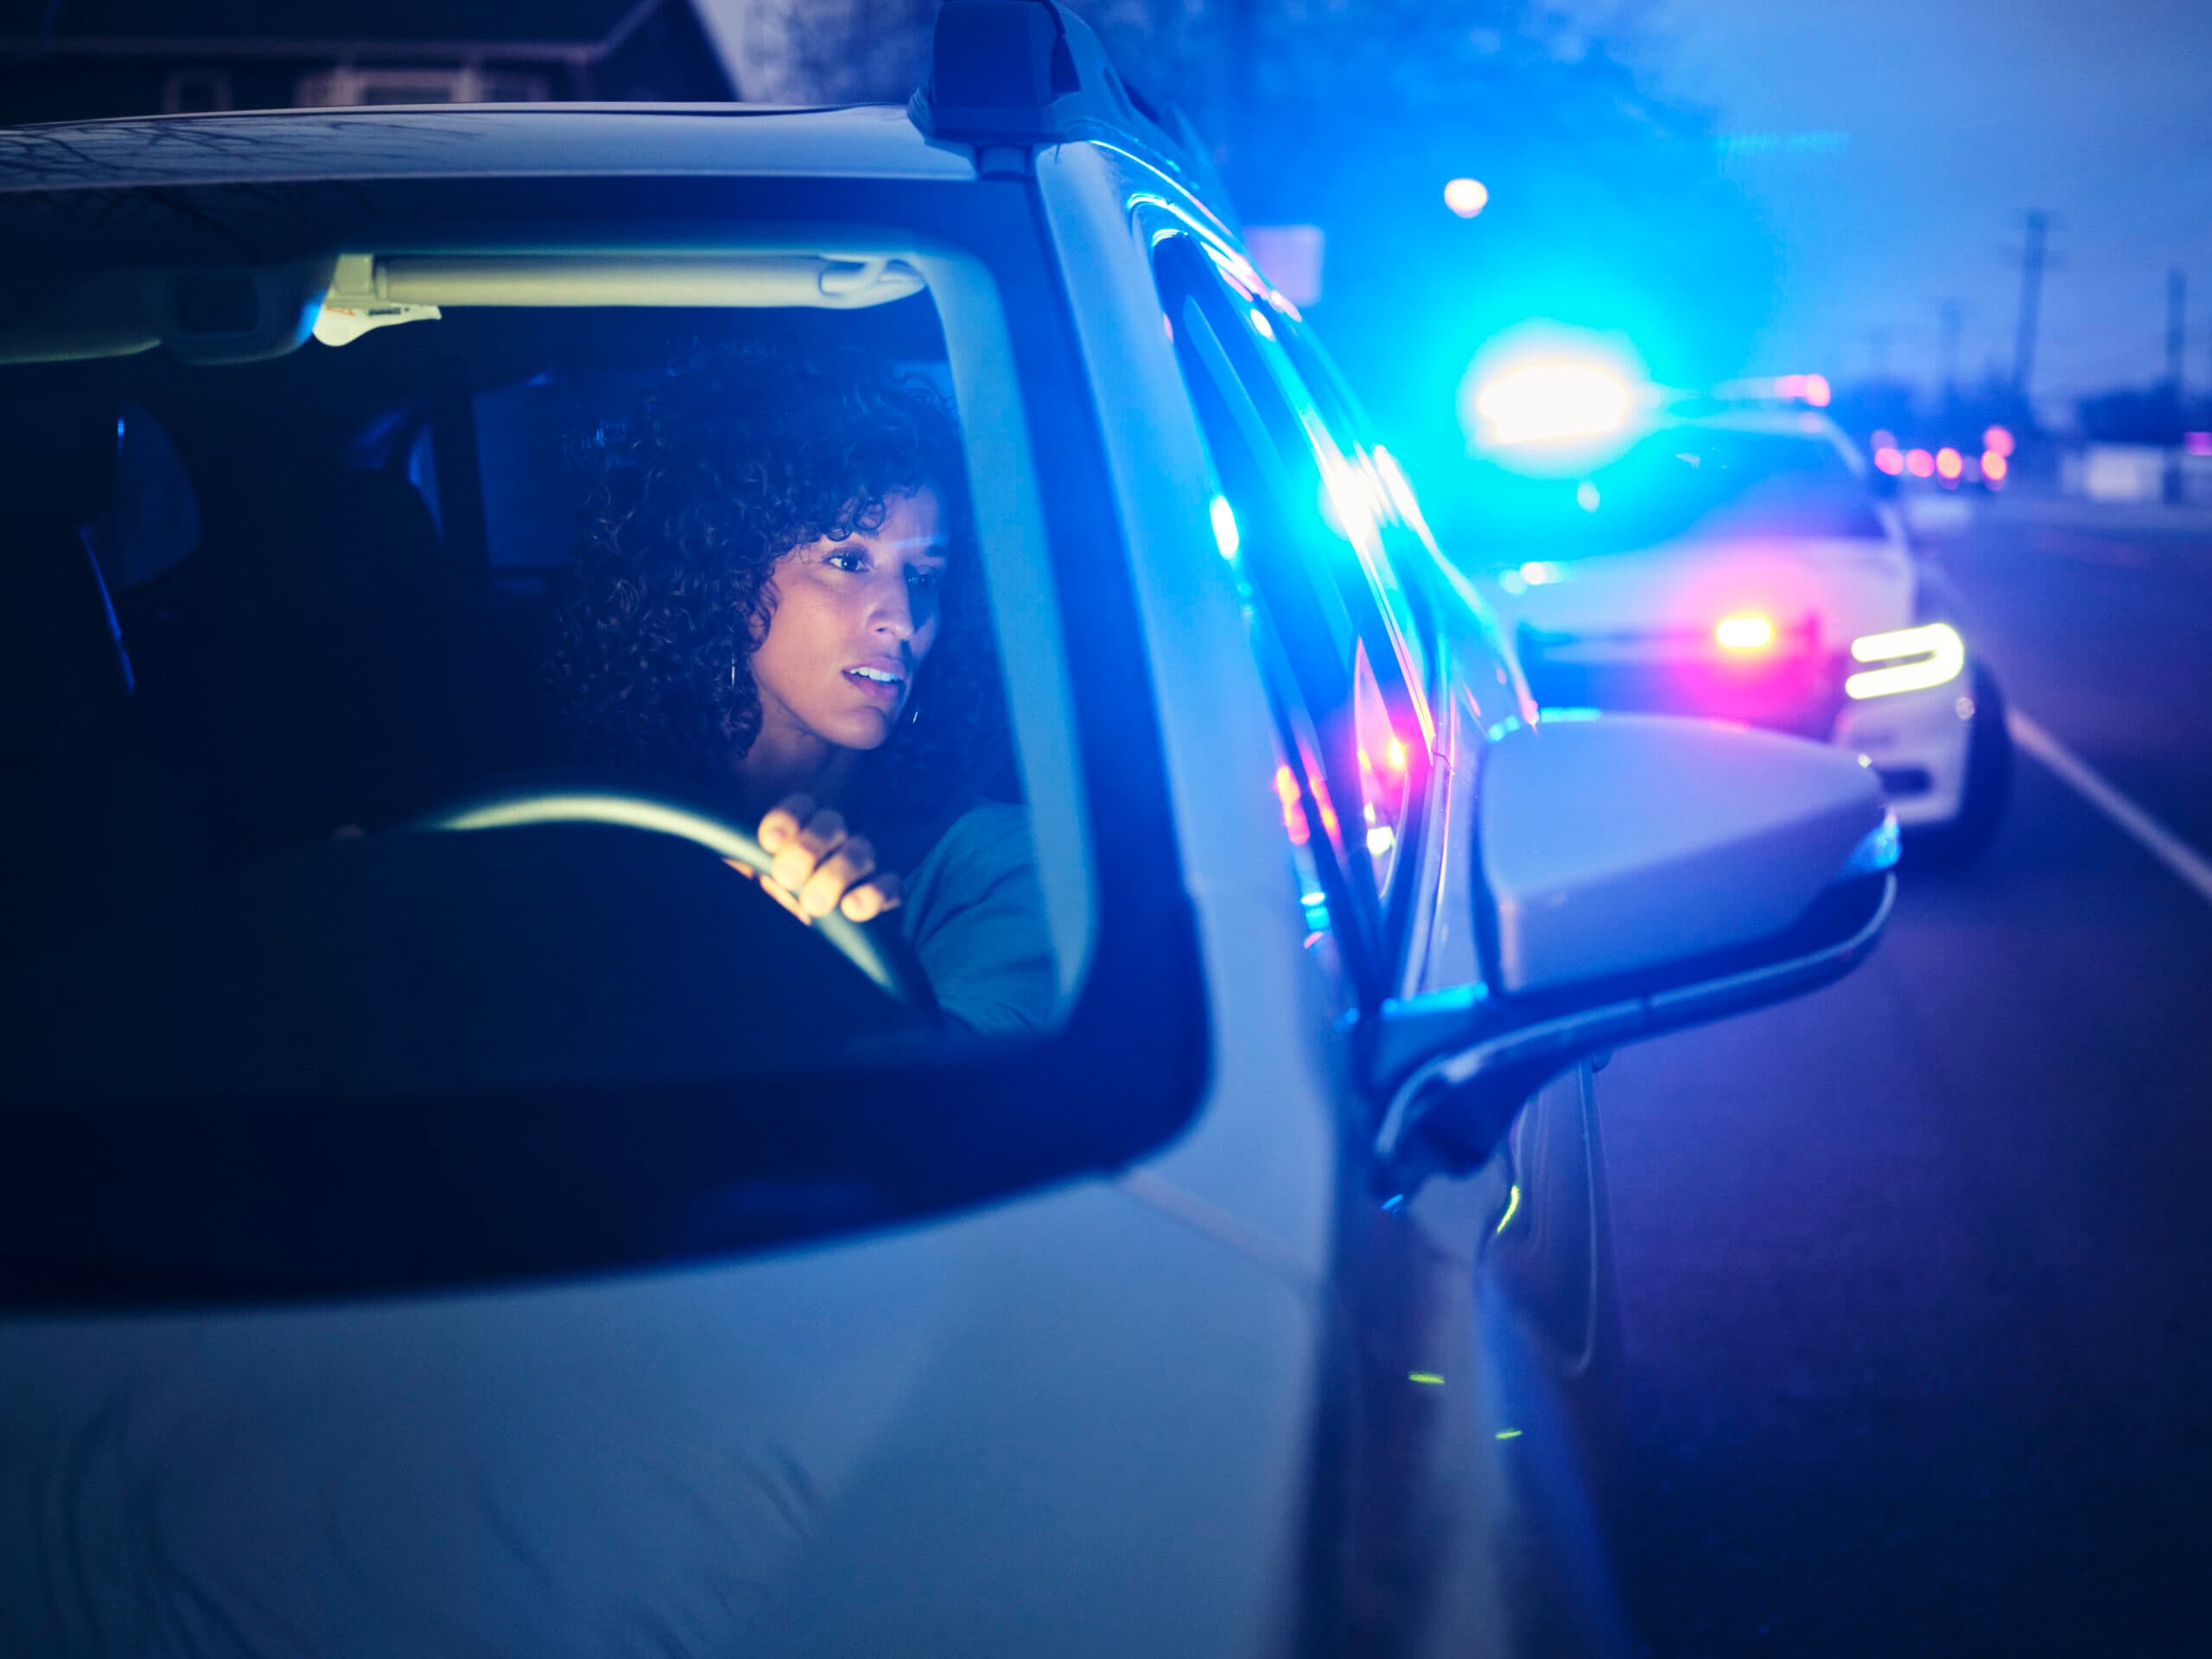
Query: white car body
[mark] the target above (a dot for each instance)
(1651, 613)
(1227, 1399)
(1115, 1416)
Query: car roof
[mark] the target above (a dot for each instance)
(488, 141)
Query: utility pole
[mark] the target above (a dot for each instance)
(2177, 326)
(2031, 264)
(1950, 315)
(2177, 320)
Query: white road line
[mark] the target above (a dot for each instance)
(2159, 841)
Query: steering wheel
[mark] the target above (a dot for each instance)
(877, 948)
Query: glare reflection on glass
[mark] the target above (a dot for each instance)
(1400, 490)
(1224, 527)
(1294, 809)
(1512, 1208)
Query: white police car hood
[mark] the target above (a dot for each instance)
(1847, 585)
(1065, 1425)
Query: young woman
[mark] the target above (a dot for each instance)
(774, 598)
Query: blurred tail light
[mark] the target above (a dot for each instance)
(1745, 632)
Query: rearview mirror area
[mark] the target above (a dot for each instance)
(1637, 875)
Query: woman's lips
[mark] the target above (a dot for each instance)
(886, 692)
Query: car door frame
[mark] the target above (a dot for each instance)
(1412, 1467)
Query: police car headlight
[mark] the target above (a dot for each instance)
(1907, 659)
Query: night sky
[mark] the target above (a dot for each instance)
(1893, 147)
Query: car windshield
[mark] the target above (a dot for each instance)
(1710, 483)
(395, 713)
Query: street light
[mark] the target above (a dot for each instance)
(1466, 197)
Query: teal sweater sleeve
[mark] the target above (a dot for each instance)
(973, 912)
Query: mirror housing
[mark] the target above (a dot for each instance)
(1612, 846)
(1637, 874)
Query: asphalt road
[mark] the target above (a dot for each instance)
(1917, 1272)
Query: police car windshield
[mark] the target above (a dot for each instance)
(1682, 482)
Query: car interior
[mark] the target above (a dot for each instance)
(261, 605)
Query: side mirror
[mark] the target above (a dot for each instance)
(1638, 874)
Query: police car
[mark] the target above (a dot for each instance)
(1730, 556)
(502, 1228)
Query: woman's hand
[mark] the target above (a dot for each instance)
(819, 866)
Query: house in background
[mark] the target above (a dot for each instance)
(69, 60)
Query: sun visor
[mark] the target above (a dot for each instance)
(377, 291)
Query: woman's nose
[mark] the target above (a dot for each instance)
(895, 611)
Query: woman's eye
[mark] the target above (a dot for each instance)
(848, 560)
(922, 577)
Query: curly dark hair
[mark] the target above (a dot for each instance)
(741, 454)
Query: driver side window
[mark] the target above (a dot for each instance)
(1342, 669)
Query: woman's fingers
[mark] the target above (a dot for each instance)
(795, 862)
(783, 822)
(852, 863)
(870, 899)
(817, 865)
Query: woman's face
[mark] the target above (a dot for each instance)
(852, 622)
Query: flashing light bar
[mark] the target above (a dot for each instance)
(1552, 400)
(1916, 657)
(1809, 389)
